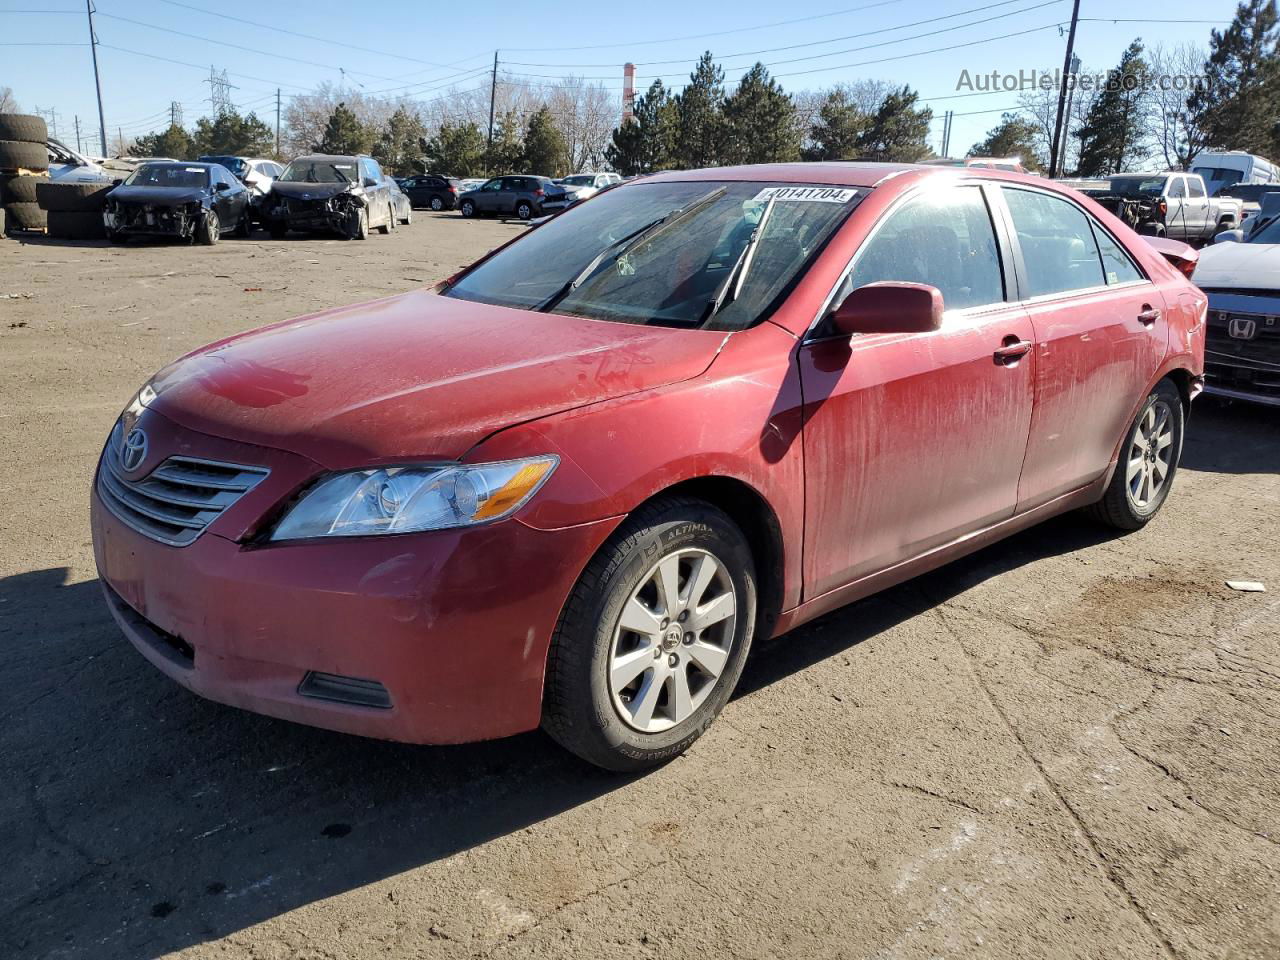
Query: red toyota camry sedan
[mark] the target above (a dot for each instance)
(571, 485)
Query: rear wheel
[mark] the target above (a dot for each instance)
(653, 637)
(524, 210)
(437, 204)
(1148, 461)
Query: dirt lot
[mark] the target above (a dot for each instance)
(1065, 746)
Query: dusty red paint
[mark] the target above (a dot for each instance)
(879, 456)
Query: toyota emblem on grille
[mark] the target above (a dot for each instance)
(1242, 328)
(134, 450)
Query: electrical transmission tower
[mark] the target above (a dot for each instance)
(175, 114)
(220, 93)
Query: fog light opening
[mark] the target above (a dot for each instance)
(350, 690)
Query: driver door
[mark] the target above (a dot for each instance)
(915, 440)
(489, 195)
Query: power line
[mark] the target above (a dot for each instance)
(797, 46)
(702, 36)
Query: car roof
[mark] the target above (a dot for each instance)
(179, 163)
(330, 156)
(846, 173)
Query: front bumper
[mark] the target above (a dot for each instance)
(455, 624)
(149, 220)
(1242, 348)
(336, 214)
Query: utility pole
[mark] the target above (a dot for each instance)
(1066, 117)
(1062, 91)
(97, 78)
(79, 148)
(493, 95)
(946, 133)
(277, 121)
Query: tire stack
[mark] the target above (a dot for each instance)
(24, 162)
(74, 210)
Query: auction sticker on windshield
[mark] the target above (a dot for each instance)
(818, 194)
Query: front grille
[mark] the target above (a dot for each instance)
(176, 500)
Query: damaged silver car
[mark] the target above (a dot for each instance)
(332, 194)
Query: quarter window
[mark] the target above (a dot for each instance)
(1057, 243)
(1119, 268)
(943, 238)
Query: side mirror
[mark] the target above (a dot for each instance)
(1230, 236)
(116, 182)
(370, 182)
(222, 186)
(890, 307)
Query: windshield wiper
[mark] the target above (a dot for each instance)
(732, 285)
(619, 248)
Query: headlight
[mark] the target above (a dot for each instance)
(410, 499)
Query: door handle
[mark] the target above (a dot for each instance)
(1011, 351)
(1148, 316)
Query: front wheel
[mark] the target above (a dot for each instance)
(653, 637)
(391, 222)
(468, 209)
(359, 228)
(208, 230)
(1148, 461)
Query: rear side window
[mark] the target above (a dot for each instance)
(1119, 268)
(943, 238)
(1057, 243)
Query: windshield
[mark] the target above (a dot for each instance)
(1266, 231)
(168, 175)
(673, 254)
(579, 181)
(1138, 186)
(320, 170)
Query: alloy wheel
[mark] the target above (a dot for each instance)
(1147, 464)
(672, 641)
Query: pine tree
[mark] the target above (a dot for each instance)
(230, 134)
(345, 134)
(507, 151)
(897, 132)
(174, 142)
(700, 141)
(759, 120)
(834, 136)
(1013, 136)
(1111, 135)
(400, 146)
(647, 143)
(544, 147)
(1240, 102)
(456, 151)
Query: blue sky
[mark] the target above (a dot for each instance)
(424, 49)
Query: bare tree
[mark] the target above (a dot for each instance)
(8, 103)
(1040, 106)
(307, 114)
(585, 114)
(1175, 130)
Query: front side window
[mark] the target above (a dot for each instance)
(1175, 188)
(1058, 249)
(1194, 187)
(941, 237)
(689, 254)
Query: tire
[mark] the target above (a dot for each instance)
(20, 153)
(524, 210)
(407, 218)
(360, 229)
(208, 230)
(24, 216)
(20, 188)
(1128, 504)
(583, 709)
(71, 197)
(468, 209)
(244, 229)
(437, 204)
(390, 225)
(76, 225)
(24, 127)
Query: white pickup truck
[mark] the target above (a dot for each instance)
(1171, 204)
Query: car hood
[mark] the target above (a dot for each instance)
(1225, 266)
(309, 191)
(415, 376)
(169, 196)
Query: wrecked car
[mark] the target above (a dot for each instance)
(331, 194)
(1172, 204)
(572, 484)
(193, 201)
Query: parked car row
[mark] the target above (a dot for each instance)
(202, 201)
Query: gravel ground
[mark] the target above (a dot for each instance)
(1064, 746)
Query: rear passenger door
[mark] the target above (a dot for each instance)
(1100, 336)
(914, 440)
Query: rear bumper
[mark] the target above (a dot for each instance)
(454, 626)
